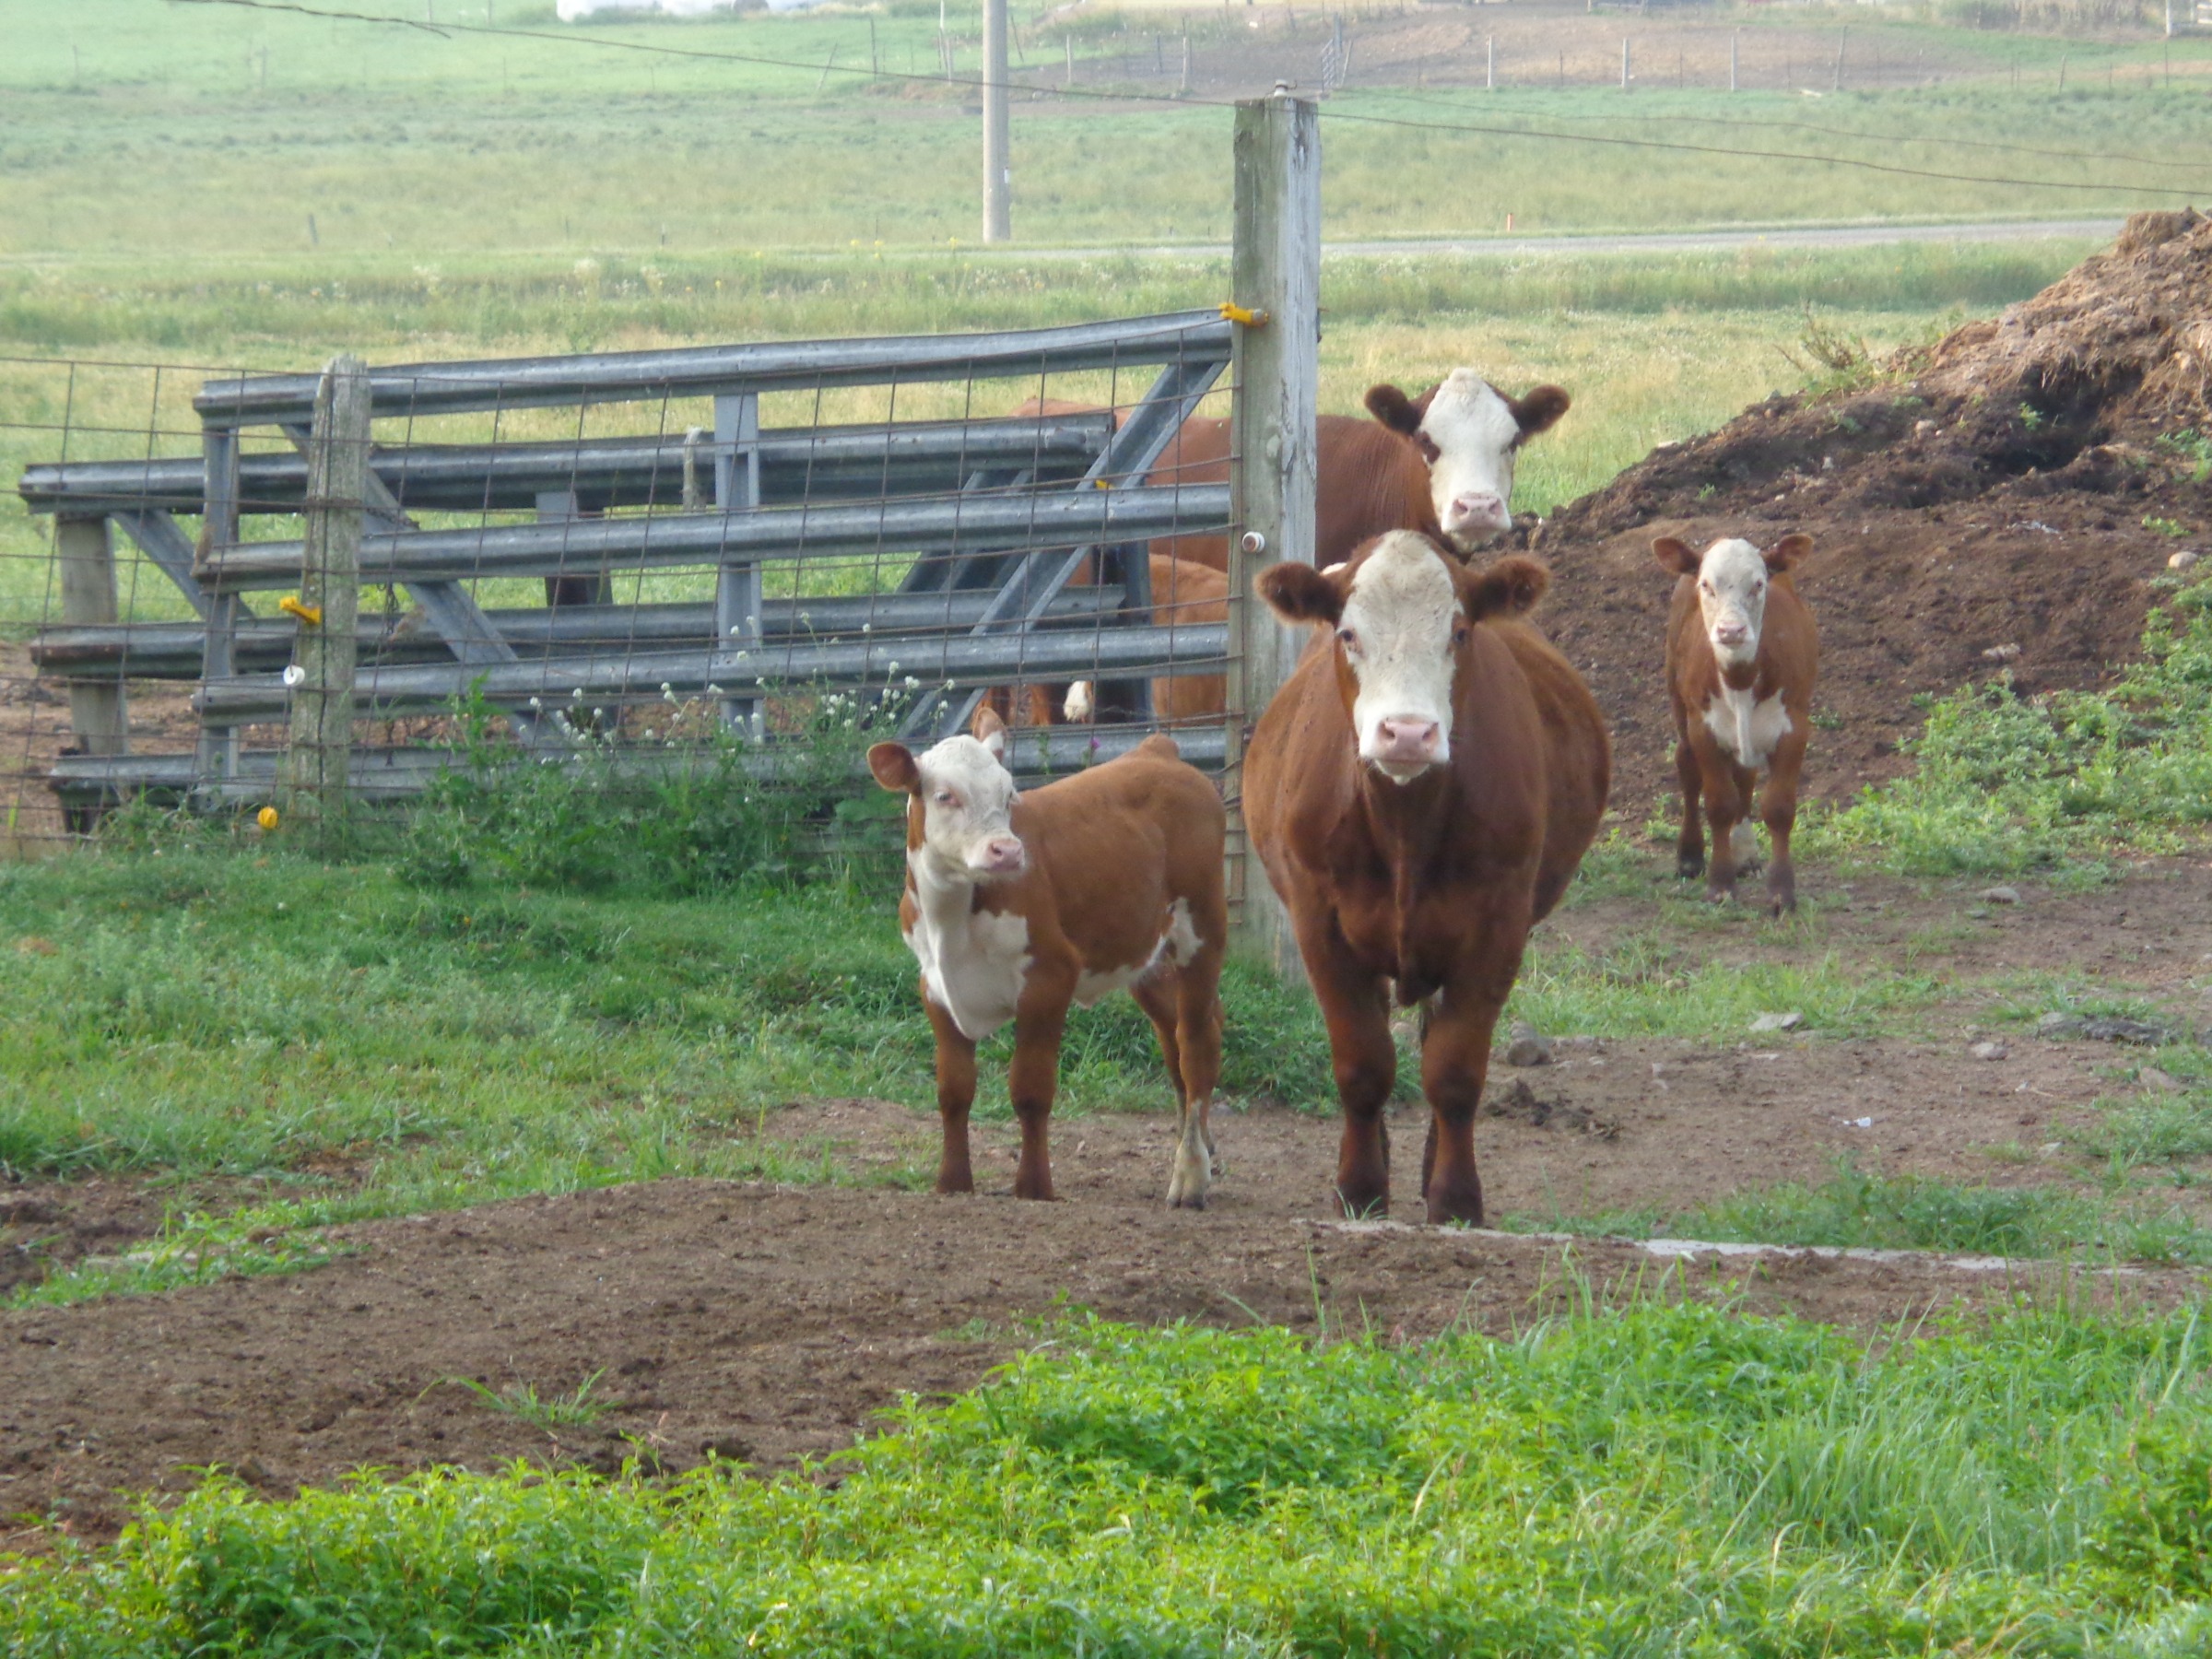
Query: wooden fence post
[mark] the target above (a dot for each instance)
(312, 776)
(99, 713)
(1276, 269)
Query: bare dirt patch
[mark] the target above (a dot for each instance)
(1997, 506)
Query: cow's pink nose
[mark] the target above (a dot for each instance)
(1479, 507)
(1405, 739)
(1730, 633)
(1000, 855)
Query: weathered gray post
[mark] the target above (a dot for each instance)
(98, 714)
(1276, 270)
(998, 163)
(1624, 63)
(1732, 35)
(312, 776)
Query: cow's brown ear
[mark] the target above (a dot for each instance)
(1540, 410)
(893, 766)
(1506, 588)
(1676, 556)
(1787, 551)
(1299, 592)
(1394, 409)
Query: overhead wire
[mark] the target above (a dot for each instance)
(1482, 129)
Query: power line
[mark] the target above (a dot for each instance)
(1480, 129)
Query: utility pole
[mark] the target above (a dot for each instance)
(998, 169)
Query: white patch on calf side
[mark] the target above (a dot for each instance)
(1176, 945)
(1400, 614)
(1745, 728)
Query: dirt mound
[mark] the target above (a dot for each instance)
(1996, 505)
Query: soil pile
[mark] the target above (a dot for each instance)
(1997, 504)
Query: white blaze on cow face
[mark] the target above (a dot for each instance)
(1732, 593)
(967, 814)
(1400, 630)
(1475, 438)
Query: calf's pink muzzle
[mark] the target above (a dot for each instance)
(998, 855)
(1406, 740)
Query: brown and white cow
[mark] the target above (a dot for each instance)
(1020, 903)
(1420, 792)
(1741, 654)
(1469, 436)
(1441, 463)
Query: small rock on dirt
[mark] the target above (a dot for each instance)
(2125, 1030)
(2001, 654)
(1529, 1047)
(2183, 560)
(2054, 1027)
(1778, 1022)
(1999, 895)
(1988, 1051)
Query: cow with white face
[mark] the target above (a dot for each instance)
(1470, 434)
(1018, 905)
(1420, 792)
(1741, 654)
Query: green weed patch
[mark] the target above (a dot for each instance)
(2003, 784)
(1658, 1478)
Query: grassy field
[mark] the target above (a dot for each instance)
(1658, 1478)
(1654, 347)
(214, 133)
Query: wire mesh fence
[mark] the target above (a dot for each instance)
(633, 565)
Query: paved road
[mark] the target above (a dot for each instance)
(1661, 242)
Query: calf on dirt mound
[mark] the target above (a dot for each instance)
(1997, 504)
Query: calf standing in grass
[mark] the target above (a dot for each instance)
(1019, 904)
(1741, 652)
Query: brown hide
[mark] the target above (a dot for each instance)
(1368, 479)
(1186, 593)
(1713, 786)
(1429, 887)
(1110, 851)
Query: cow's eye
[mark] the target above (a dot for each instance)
(1348, 639)
(1705, 587)
(947, 798)
(1459, 634)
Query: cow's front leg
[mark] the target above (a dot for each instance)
(956, 1095)
(1033, 1080)
(1778, 810)
(1356, 1009)
(1455, 1062)
(1726, 809)
(1690, 845)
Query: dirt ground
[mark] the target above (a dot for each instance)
(764, 1324)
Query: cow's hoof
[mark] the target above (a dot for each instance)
(1192, 1201)
(1720, 895)
(1690, 868)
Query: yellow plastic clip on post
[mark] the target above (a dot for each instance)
(310, 613)
(1237, 314)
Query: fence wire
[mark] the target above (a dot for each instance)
(776, 552)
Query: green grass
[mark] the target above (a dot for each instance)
(1857, 1209)
(213, 132)
(522, 1402)
(2004, 783)
(1655, 1478)
(205, 1012)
